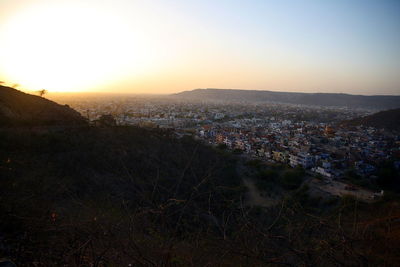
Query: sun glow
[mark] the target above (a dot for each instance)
(66, 48)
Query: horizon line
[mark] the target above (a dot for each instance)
(189, 90)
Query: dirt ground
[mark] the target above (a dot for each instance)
(341, 189)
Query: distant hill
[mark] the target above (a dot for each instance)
(322, 99)
(388, 119)
(18, 108)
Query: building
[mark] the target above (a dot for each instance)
(301, 159)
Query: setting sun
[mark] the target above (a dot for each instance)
(66, 47)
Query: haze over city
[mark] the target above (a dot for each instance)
(170, 46)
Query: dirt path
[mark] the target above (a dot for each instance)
(254, 197)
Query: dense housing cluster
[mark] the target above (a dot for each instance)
(306, 136)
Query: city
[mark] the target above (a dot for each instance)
(311, 137)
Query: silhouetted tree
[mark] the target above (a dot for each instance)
(42, 92)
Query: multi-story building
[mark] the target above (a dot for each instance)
(301, 159)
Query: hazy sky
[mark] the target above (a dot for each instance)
(155, 46)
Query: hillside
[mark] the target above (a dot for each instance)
(388, 119)
(18, 108)
(121, 196)
(322, 99)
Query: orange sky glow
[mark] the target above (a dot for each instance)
(171, 46)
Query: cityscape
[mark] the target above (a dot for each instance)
(311, 137)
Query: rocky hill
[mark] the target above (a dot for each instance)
(388, 119)
(379, 102)
(18, 108)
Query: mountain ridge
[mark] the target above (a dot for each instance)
(379, 102)
(387, 119)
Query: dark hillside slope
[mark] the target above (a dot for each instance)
(320, 99)
(18, 108)
(123, 196)
(388, 119)
(110, 189)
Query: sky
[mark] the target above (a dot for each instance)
(155, 46)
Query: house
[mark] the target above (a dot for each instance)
(323, 171)
(280, 156)
(301, 159)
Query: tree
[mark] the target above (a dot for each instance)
(42, 92)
